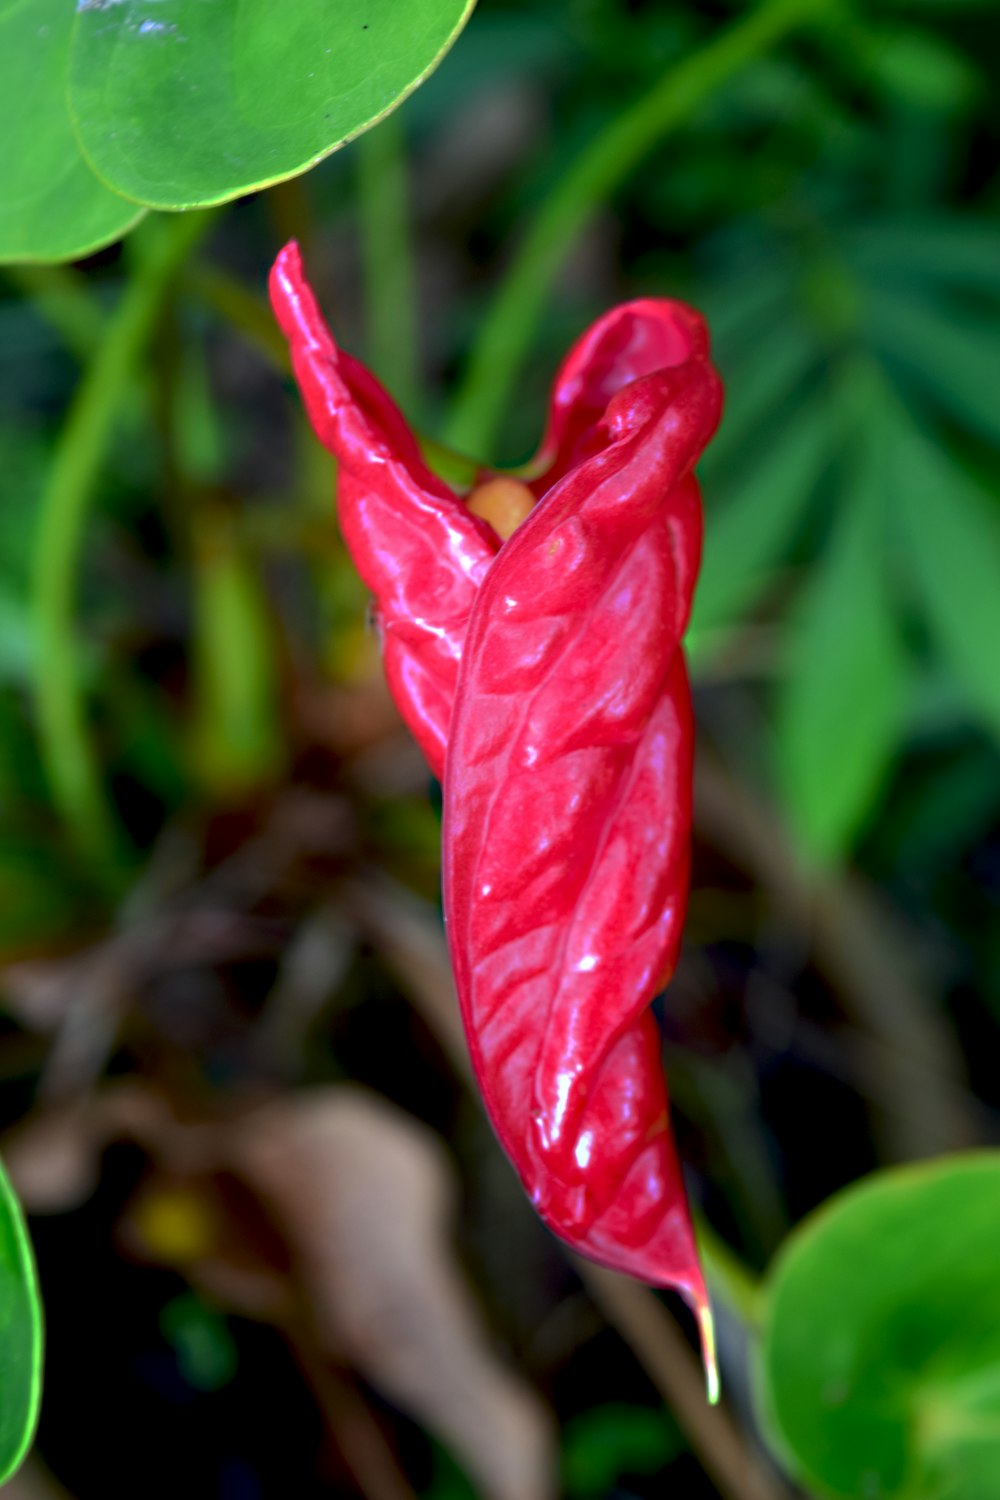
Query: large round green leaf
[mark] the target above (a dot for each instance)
(180, 103)
(20, 1334)
(880, 1362)
(52, 207)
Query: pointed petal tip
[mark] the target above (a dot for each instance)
(286, 273)
(706, 1328)
(284, 284)
(288, 261)
(295, 305)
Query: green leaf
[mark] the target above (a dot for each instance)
(879, 1371)
(20, 1335)
(15, 639)
(757, 390)
(203, 100)
(52, 207)
(841, 706)
(962, 251)
(952, 539)
(923, 70)
(237, 738)
(743, 308)
(953, 359)
(752, 531)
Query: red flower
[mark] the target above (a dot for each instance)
(538, 662)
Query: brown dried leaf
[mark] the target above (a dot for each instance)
(365, 1196)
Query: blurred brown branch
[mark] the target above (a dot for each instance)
(909, 1058)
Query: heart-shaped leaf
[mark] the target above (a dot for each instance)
(52, 207)
(181, 103)
(880, 1361)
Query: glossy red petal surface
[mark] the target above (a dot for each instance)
(567, 818)
(412, 539)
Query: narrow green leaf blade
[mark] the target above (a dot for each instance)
(204, 100)
(750, 534)
(840, 710)
(52, 207)
(952, 547)
(20, 1335)
(758, 390)
(962, 251)
(954, 361)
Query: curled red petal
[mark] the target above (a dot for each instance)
(567, 810)
(631, 341)
(414, 542)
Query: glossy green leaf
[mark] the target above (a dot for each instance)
(181, 103)
(749, 535)
(20, 1335)
(52, 207)
(952, 541)
(879, 1373)
(840, 709)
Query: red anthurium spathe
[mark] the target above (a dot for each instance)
(532, 633)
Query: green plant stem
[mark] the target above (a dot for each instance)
(387, 257)
(67, 754)
(599, 169)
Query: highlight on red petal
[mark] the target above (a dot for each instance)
(414, 542)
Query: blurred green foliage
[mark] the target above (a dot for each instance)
(205, 1349)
